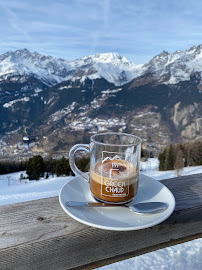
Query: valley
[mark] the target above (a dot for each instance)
(64, 102)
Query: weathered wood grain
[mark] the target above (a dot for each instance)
(186, 189)
(34, 220)
(39, 235)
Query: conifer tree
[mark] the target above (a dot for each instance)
(35, 168)
(162, 160)
(171, 158)
(62, 167)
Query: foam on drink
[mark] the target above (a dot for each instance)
(114, 181)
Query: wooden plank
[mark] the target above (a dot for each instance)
(34, 220)
(39, 235)
(186, 189)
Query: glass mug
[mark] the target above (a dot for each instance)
(114, 166)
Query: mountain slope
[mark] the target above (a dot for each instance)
(168, 68)
(110, 66)
(157, 113)
(64, 102)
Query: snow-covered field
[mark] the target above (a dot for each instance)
(150, 168)
(186, 256)
(14, 191)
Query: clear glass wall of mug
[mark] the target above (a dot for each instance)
(114, 166)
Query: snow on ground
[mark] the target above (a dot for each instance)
(14, 191)
(150, 168)
(186, 256)
(171, 174)
(9, 104)
(150, 164)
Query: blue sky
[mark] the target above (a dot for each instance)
(70, 29)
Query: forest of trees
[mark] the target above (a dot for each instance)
(177, 156)
(7, 166)
(37, 167)
(173, 157)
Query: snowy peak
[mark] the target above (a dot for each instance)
(110, 66)
(108, 58)
(166, 68)
(22, 62)
(177, 66)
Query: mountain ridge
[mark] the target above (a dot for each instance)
(170, 68)
(111, 66)
(61, 106)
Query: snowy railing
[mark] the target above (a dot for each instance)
(39, 235)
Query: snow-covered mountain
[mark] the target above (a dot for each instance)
(63, 102)
(171, 68)
(167, 68)
(110, 66)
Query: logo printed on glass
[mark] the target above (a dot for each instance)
(115, 173)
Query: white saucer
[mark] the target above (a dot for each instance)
(116, 218)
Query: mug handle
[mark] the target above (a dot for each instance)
(73, 150)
